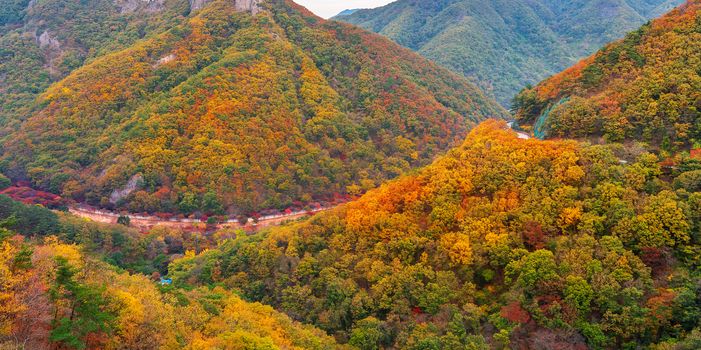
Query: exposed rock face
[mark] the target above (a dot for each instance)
(197, 4)
(251, 6)
(127, 6)
(130, 187)
(52, 51)
(248, 5)
(47, 42)
(165, 59)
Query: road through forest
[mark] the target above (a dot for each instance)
(145, 222)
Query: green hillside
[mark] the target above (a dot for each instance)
(504, 45)
(503, 243)
(643, 88)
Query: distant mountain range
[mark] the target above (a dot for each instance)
(503, 45)
(644, 88)
(347, 12)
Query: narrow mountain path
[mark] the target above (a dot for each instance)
(147, 222)
(522, 135)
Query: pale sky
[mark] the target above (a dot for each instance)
(330, 8)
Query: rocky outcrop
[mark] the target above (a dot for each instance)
(52, 51)
(197, 4)
(164, 60)
(252, 6)
(47, 42)
(132, 185)
(128, 6)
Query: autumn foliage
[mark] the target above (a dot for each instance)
(225, 112)
(52, 296)
(644, 87)
(554, 236)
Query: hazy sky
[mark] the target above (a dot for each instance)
(330, 8)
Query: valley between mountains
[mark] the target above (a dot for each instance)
(245, 175)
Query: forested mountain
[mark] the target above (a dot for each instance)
(645, 87)
(43, 41)
(506, 44)
(503, 243)
(222, 106)
(235, 106)
(347, 12)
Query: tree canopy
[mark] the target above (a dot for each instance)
(644, 87)
(543, 242)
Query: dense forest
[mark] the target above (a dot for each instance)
(55, 296)
(222, 111)
(43, 41)
(644, 87)
(501, 243)
(68, 283)
(505, 44)
(463, 233)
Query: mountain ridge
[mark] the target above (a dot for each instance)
(640, 88)
(500, 45)
(347, 12)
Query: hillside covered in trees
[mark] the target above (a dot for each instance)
(645, 87)
(43, 41)
(504, 45)
(69, 283)
(217, 106)
(503, 242)
(55, 296)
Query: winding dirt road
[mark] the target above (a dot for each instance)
(146, 223)
(521, 135)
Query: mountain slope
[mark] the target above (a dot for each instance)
(54, 296)
(504, 45)
(239, 107)
(347, 12)
(502, 243)
(644, 87)
(43, 41)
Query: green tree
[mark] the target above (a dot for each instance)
(532, 271)
(80, 309)
(124, 220)
(211, 204)
(595, 336)
(690, 181)
(188, 203)
(4, 182)
(579, 294)
(367, 334)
